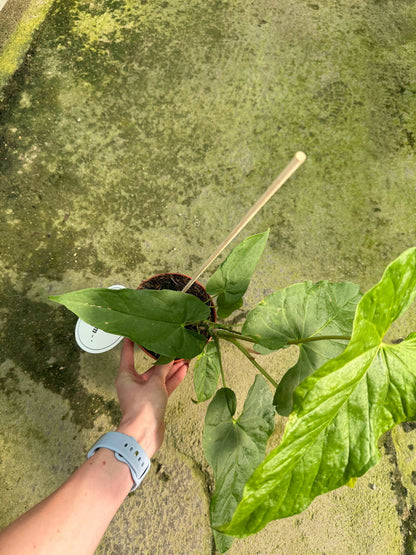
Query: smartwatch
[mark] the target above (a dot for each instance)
(127, 450)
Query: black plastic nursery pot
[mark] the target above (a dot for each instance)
(176, 282)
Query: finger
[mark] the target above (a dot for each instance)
(164, 371)
(176, 378)
(176, 365)
(127, 355)
(161, 370)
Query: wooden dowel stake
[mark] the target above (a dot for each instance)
(289, 170)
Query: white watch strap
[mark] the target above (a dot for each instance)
(127, 450)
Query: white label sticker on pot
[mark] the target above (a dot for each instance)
(94, 340)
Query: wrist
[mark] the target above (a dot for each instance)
(105, 467)
(144, 431)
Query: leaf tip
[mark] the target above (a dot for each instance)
(351, 482)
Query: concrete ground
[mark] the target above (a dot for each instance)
(135, 135)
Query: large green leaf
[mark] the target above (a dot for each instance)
(232, 277)
(300, 314)
(206, 372)
(340, 411)
(234, 448)
(154, 319)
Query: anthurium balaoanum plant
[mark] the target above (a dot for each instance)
(346, 389)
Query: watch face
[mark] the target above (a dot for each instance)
(94, 340)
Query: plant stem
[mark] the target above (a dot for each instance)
(319, 338)
(235, 335)
(253, 361)
(216, 325)
(217, 344)
(227, 333)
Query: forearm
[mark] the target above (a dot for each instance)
(74, 518)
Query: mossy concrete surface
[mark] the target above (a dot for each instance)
(135, 135)
(19, 20)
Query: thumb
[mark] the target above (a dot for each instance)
(177, 375)
(127, 358)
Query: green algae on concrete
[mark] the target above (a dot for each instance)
(19, 22)
(135, 137)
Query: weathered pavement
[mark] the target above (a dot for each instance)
(136, 134)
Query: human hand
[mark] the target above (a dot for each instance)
(143, 397)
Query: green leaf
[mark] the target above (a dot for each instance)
(224, 310)
(234, 448)
(340, 411)
(231, 280)
(299, 313)
(153, 319)
(163, 360)
(206, 372)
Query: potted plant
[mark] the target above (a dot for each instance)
(176, 282)
(347, 388)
